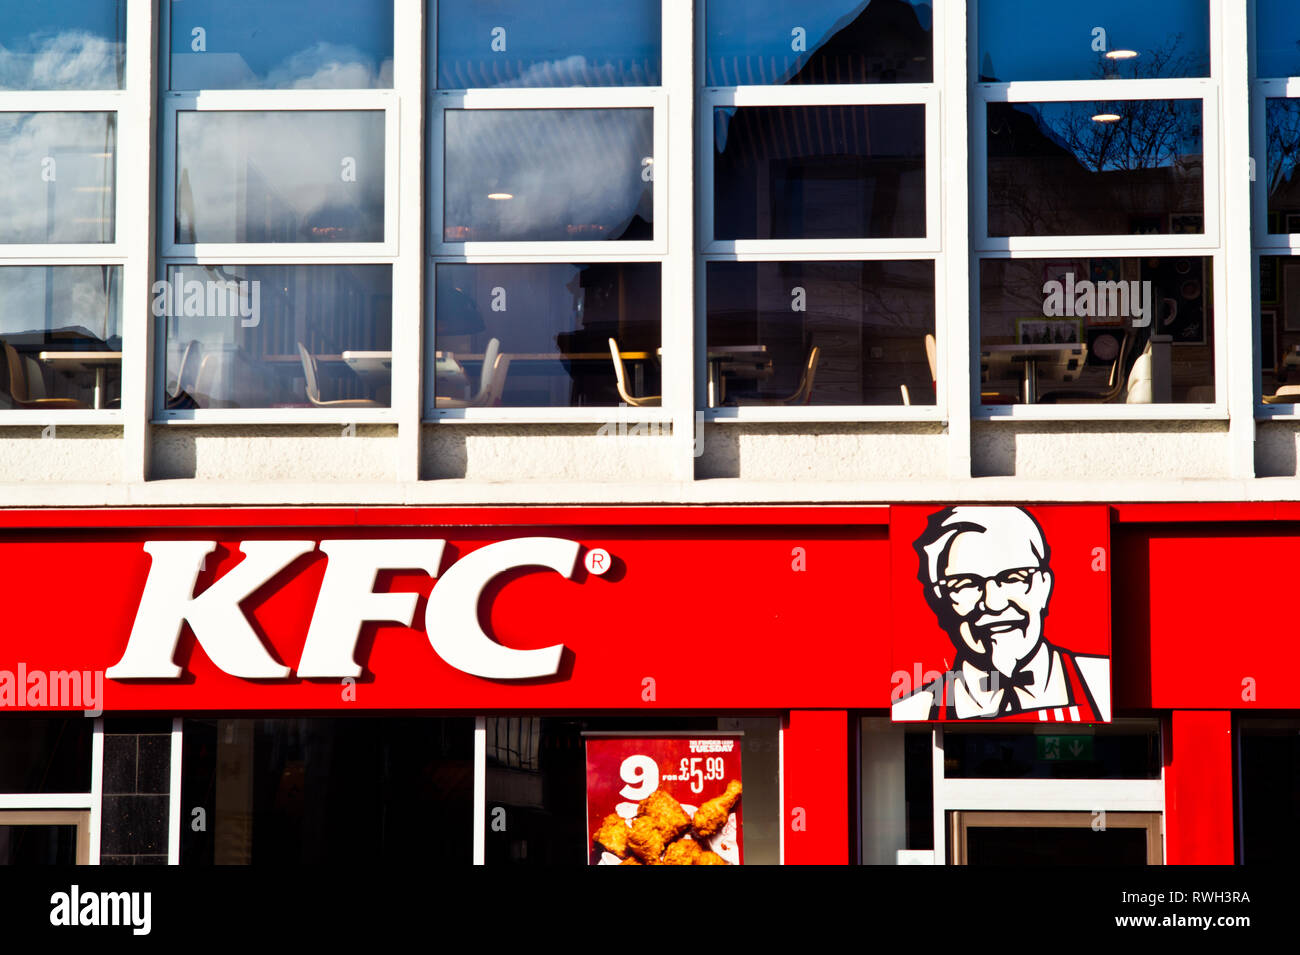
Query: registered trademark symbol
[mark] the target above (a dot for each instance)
(597, 561)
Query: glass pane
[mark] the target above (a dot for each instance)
(537, 336)
(525, 175)
(57, 176)
(1048, 846)
(1279, 328)
(1102, 39)
(820, 333)
(558, 43)
(277, 336)
(61, 332)
(38, 845)
(819, 172)
(1097, 330)
(45, 755)
(284, 176)
(1270, 793)
(63, 45)
(1103, 751)
(1117, 168)
(288, 44)
(821, 41)
(329, 791)
(1282, 129)
(1277, 38)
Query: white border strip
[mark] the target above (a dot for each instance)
(480, 790)
(174, 791)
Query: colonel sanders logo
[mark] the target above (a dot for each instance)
(986, 574)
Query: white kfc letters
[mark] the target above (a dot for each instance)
(346, 601)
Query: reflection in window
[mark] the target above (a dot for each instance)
(548, 175)
(336, 791)
(63, 45)
(821, 333)
(60, 330)
(1269, 761)
(819, 172)
(539, 335)
(820, 41)
(1282, 129)
(1103, 39)
(45, 755)
(289, 44)
(1097, 330)
(57, 176)
(1277, 38)
(558, 43)
(1279, 335)
(1117, 168)
(306, 176)
(277, 336)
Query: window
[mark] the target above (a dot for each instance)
(278, 212)
(316, 790)
(1276, 131)
(62, 88)
(547, 209)
(50, 770)
(1095, 207)
(819, 209)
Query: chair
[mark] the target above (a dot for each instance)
(932, 358)
(1139, 389)
(1116, 381)
(491, 381)
(620, 378)
(802, 395)
(1286, 395)
(313, 386)
(27, 384)
(180, 391)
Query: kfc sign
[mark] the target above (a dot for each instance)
(347, 600)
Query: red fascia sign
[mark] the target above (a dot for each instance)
(582, 608)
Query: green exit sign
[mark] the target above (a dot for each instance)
(1064, 747)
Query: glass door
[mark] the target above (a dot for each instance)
(1055, 838)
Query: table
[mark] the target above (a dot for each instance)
(369, 363)
(447, 364)
(1068, 357)
(73, 361)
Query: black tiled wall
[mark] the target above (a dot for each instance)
(137, 770)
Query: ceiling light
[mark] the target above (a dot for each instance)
(1121, 54)
(500, 196)
(1106, 118)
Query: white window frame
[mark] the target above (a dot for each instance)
(123, 105)
(387, 252)
(929, 247)
(1035, 795)
(90, 801)
(1212, 243)
(653, 251)
(1263, 242)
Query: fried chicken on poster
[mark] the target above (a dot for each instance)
(645, 840)
(712, 816)
(667, 814)
(612, 835)
(682, 852)
(709, 858)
